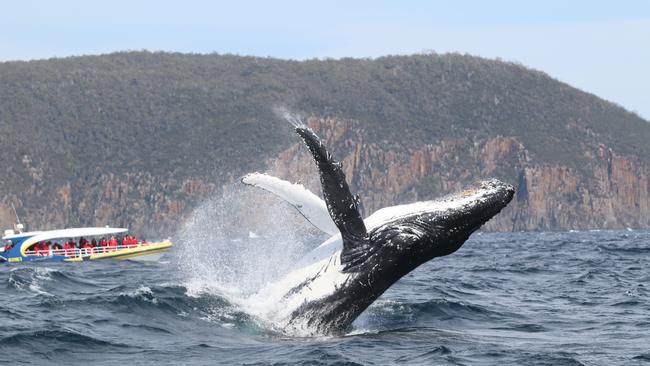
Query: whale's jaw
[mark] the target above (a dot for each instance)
(402, 238)
(437, 228)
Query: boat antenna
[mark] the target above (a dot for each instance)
(19, 225)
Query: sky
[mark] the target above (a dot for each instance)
(602, 47)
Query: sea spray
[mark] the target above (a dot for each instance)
(217, 253)
(293, 117)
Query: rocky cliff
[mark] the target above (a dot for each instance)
(610, 191)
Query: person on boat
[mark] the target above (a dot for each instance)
(93, 245)
(45, 249)
(86, 247)
(56, 247)
(112, 244)
(130, 241)
(8, 246)
(103, 244)
(70, 247)
(39, 248)
(35, 248)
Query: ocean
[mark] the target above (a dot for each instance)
(542, 298)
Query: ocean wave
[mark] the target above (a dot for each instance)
(431, 356)
(642, 357)
(55, 338)
(625, 250)
(391, 314)
(31, 279)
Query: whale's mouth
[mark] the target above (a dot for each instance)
(488, 199)
(474, 207)
(466, 212)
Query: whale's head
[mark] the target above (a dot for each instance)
(412, 234)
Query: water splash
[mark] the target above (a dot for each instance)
(294, 118)
(31, 279)
(217, 255)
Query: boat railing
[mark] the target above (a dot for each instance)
(78, 252)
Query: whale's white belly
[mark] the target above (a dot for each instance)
(316, 276)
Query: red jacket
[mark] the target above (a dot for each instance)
(44, 249)
(69, 248)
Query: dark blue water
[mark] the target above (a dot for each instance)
(578, 298)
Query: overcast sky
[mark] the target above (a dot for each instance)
(602, 47)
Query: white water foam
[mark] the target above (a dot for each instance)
(216, 254)
(37, 278)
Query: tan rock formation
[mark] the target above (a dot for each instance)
(611, 191)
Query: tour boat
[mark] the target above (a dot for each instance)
(21, 246)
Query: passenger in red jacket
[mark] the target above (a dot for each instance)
(40, 248)
(44, 250)
(103, 244)
(86, 248)
(112, 244)
(36, 248)
(130, 241)
(69, 248)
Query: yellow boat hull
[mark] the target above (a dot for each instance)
(127, 253)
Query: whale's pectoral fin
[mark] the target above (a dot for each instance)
(308, 204)
(341, 204)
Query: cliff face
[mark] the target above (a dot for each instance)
(611, 191)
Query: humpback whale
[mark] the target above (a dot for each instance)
(333, 284)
